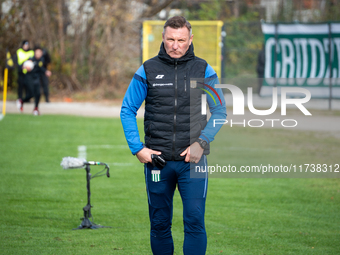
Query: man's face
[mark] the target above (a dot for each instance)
(38, 53)
(176, 41)
(26, 46)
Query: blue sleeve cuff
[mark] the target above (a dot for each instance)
(138, 150)
(203, 137)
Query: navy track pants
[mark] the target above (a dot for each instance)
(193, 192)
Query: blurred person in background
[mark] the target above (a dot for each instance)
(22, 54)
(261, 60)
(44, 78)
(33, 79)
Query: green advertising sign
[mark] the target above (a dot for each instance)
(305, 55)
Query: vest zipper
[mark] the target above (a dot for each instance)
(185, 83)
(175, 112)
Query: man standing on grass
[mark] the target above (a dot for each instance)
(176, 131)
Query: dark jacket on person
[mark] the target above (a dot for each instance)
(46, 58)
(33, 77)
(172, 90)
(171, 105)
(261, 60)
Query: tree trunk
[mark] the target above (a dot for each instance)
(47, 21)
(61, 31)
(236, 8)
(28, 21)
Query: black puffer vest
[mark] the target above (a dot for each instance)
(173, 117)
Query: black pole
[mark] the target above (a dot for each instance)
(88, 178)
(86, 223)
(87, 208)
(141, 43)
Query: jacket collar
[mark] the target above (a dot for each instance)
(189, 55)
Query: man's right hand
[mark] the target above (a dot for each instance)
(144, 155)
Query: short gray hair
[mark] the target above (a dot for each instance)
(178, 22)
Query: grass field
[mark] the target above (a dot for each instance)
(41, 202)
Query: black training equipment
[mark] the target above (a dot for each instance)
(73, 163)
(158, 161)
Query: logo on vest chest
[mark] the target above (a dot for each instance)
(159, 76)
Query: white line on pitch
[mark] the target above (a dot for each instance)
(82, 152)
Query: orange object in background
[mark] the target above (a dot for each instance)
(67, 99)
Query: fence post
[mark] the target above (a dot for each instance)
(275, 55)
(330, 65)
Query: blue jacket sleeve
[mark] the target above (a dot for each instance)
(217, 106)
(134, 97)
